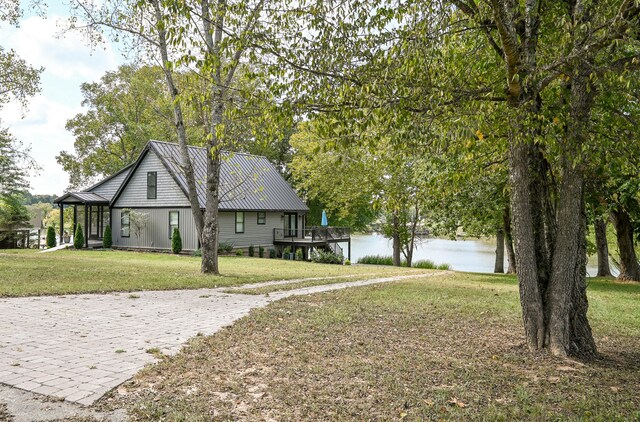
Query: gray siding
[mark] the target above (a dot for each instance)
(156, 233)
(254, 234)
(108, 189)
(135, 192)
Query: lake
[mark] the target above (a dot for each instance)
(473, 255)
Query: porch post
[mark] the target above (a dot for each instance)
(75, 220)
(349, 254)
(87, 209)
(61, 221)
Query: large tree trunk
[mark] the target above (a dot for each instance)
(569, 330)
(508, 240)
(629, 268)
(602, 247)
(524, 245)
(498, 267)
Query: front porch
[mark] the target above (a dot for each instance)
(314, 237)
(90, 210)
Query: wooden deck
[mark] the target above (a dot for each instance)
(314, 237)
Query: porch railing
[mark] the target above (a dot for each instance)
(313, 233)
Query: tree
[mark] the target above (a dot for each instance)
(213, 38)
(138, 222)
(51, 237)
(78, 238)
(176, 241)
(126, 109)
(107, 239)
(538, 63)
(14, 164)
(13, 214)
(367, 182)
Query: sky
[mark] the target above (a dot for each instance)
(68, 62)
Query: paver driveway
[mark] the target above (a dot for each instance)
(78, 347)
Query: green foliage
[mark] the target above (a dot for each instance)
(176, 241)
(376, 260)
(239, 252)
(429, 265)
(14, 162)
(78, 239)
(272, 253)
(51, 237)
(13, 215)
(347, 262)
(251, 251)
(261, 252)
(107, 237)
(128, 102)
(225, 247)
(299, 255)
(197, 253)
(325, 257)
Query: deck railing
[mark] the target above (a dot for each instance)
(313, 233)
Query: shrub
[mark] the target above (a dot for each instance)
(261, 252)
(427, 264)
(376, 260)
(272, 253)
(176, 241)
(51, 237)
(299, 255)
(323, 257)
(78, 239)
(347, 262)
(225, 247)
(197, 252)
(252, 251)
(443, 267)
(239, 252)
(107, 238)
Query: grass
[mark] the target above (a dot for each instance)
(426, 264)
(258, 290)
(29, 273)
(447, 347)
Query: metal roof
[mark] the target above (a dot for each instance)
(247, 182)
(82, 197)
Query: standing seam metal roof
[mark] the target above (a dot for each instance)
(247, 182)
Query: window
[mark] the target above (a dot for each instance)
(174, 222)
(152, 185)
(262, 218)
(239, 222)
(125, 225)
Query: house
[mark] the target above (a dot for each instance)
(257, 205)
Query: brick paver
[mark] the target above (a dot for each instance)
(78, 347)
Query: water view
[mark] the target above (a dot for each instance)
(473, 255)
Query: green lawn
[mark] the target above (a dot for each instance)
(448, 347)
(27, 273)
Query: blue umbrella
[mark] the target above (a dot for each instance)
(325, 222)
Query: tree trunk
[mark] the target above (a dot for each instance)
(187, 166)
(569, 331)
(602, 247)
(629, 268)
(499, 264)
(508, 238)
(524, 245)
(397, 261)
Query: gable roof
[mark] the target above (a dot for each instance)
(81, 197)
(247, 182)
